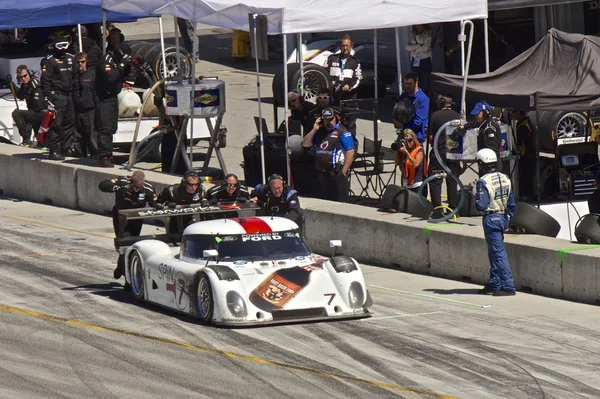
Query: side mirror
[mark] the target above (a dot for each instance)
(210, 253)
(335, 244)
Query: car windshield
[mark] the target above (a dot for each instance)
(249, 247)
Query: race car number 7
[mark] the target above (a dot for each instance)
(332, 295)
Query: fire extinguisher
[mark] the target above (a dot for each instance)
(46, 123)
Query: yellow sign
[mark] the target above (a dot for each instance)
(206, 98)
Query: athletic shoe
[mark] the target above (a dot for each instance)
(104, 162)
(504, 293)
(53, 156)
(486, 290)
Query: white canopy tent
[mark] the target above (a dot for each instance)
(309, 16)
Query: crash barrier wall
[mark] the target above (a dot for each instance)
(542, 265)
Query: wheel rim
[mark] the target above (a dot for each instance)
(571, 125)
(137, 275)
(204, 297)
(172, 70)
(313, 81)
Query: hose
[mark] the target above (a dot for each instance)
(442, 130)
(139, 120)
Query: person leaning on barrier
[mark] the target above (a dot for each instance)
(230, 190)
(31, 92)
(130, 193)
(188, 192)
(333, 157)
(278, 199)
(494, 198)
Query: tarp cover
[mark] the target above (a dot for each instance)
(299, 16)
(560, 72)
(495, 5)
(43, 13)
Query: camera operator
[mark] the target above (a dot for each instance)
(411, 155)
(444, 114)
(333, 157)
(490, 135)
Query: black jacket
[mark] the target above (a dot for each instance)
(94, 54)
(348, 73)
(489, 135)
(287, 205)
(85, 98)
(110, 76)
(438, 118)
(125, 196)
(219, 193)
(59, 75)
(33, 96)
(177, 194)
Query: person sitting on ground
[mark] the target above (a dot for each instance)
(230, 190)
(278, 199)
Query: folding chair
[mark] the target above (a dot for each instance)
(367, 165)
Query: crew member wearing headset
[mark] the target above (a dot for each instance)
(188, 192)
(278, 199)
(490, 135)
(495, 199)
(230, 190)
(333, 156)
(31, 92)
(130, 193)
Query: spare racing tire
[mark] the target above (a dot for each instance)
(152, 54)
(558, 125)
(587, 229)
(530, 219)
(315, 77)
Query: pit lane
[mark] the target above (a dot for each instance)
(68, 330)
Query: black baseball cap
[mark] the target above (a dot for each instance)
(327, 113)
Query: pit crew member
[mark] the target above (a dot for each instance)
(59, 81)
(31, 92)
(230, 190)
(130, 193)
(278, 199)
(188, 192)
(494, 198)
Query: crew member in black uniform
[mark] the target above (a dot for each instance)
(85, 107)
(526, 143)
(188, 192)
(444, 114)
(112, 71)
(230, 190)
(59, 81)
(333, 156)
(130, 193)
(31, 92)
(278, 199)
(490, 135)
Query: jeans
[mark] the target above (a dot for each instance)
(500, 273)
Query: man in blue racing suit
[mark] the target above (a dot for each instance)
(494, 198)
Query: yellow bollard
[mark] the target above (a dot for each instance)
(239, 44)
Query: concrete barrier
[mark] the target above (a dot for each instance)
(455, 251)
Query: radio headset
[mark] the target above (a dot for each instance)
(188, 174)
(224, 182)
(300, 96)
(486, 108)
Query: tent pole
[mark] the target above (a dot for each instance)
(177, 44)
(375, 61)
(80, 40)
(162, 46)
(376, 107)
(462, 46)
(398, 65)
(193, 102)
(486, 39)
(260, 129)
(538, 185)
(285, 88)
(301, 58)
(103, 32)
(463, 104)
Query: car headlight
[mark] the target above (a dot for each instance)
(236, 304)
(356, 296)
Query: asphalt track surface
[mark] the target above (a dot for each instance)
(67, 330)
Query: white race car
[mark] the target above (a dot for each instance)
(246, 271)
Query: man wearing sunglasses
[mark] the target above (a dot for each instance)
(130, 193)
(230, 190)
(31, 92)
(188, 192)
(85, 107)
(59, 81)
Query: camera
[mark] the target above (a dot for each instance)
(399, 143)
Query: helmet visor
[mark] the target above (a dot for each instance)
(62, 45)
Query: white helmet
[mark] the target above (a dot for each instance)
(486, 155)
(295, 143)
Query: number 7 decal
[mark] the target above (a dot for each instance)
(332, 295)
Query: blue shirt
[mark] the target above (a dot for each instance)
(419, 122)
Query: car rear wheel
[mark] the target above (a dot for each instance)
(136, 275)
(205, 300)
(315, 77)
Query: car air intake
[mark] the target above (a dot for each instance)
(298, 313)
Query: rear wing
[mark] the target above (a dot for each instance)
(124, 240)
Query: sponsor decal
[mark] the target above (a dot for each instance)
(165, 272)
(206, 98)
(171, 98)
(184, 211)
(196, 197)
(142, 195)
(229, 238)
(240, 262)
(177, 287)
(312, 267)
(234, 319)
(278, 290)
(261, 237)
